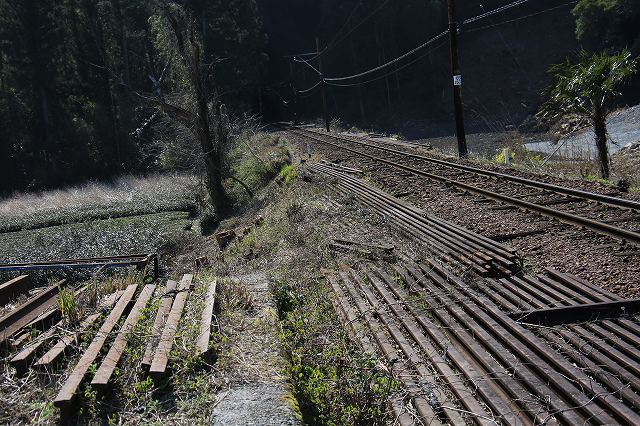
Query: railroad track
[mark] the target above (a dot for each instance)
(616, 217)
(464, 359)
(510, 349)
(443, 239)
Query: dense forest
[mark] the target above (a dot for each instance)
(73, 73)
(504, 57)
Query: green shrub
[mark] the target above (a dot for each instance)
(67, 305)
(287, 173)
(335, 382)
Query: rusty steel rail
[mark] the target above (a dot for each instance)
(446, 240)
(496, 369)
(592, 196)
(624, 235)
(579, 313)
(137, 260)
(15, 287)
(140, 261)
(31, 309)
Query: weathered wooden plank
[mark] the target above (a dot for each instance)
(58, 350)
(15, 320)
(102, 376)
(68, 392)
(158, 324)
(14, 287)
(202, 344)
(21, 361)
(19, 339)
(161, 357)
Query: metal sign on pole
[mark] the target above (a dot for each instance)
(295, 93)
(323, 86)
(457, 81)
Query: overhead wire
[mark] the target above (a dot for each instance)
(336, 82)
(494, 11)
(302, 92)
(392, 62)
(352, 30)
(408, 64)
(302, 61)
(284, 101)
(427, 43)
(315, 55)
(509, 21)
(330, 44)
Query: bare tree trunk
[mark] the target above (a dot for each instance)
(211, 139)
(124, 42)
(600, 130)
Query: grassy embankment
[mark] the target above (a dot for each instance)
(334, 381)
(131, 215)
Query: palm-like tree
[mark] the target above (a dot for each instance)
(586, 88)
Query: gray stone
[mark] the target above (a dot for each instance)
(255, 404)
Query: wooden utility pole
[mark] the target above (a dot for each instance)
(323, 84)
(457, 80)
(295, 93)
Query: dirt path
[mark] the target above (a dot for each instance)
(257, 392)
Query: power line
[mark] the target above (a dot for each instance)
(302, 61)
(335, 41)
(422, 46)
(330, 45)
(494, 11)
(389, 73)
(388, 64)
(284, 101)
(302, 92)
(571, 3)
(352, 30)
(334, 81)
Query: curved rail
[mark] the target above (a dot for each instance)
(601, 198)
(602, 228)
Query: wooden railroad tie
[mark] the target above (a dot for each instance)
(202, 344)
(42, 312)
(23, 358)
(53, 355)
(158, 324)
(70, 388)
(158, 367)
(102, 376)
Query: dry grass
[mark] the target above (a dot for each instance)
(28, 399)
(127, 196)
(291, 247)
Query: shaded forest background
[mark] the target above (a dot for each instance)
(70, 71)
